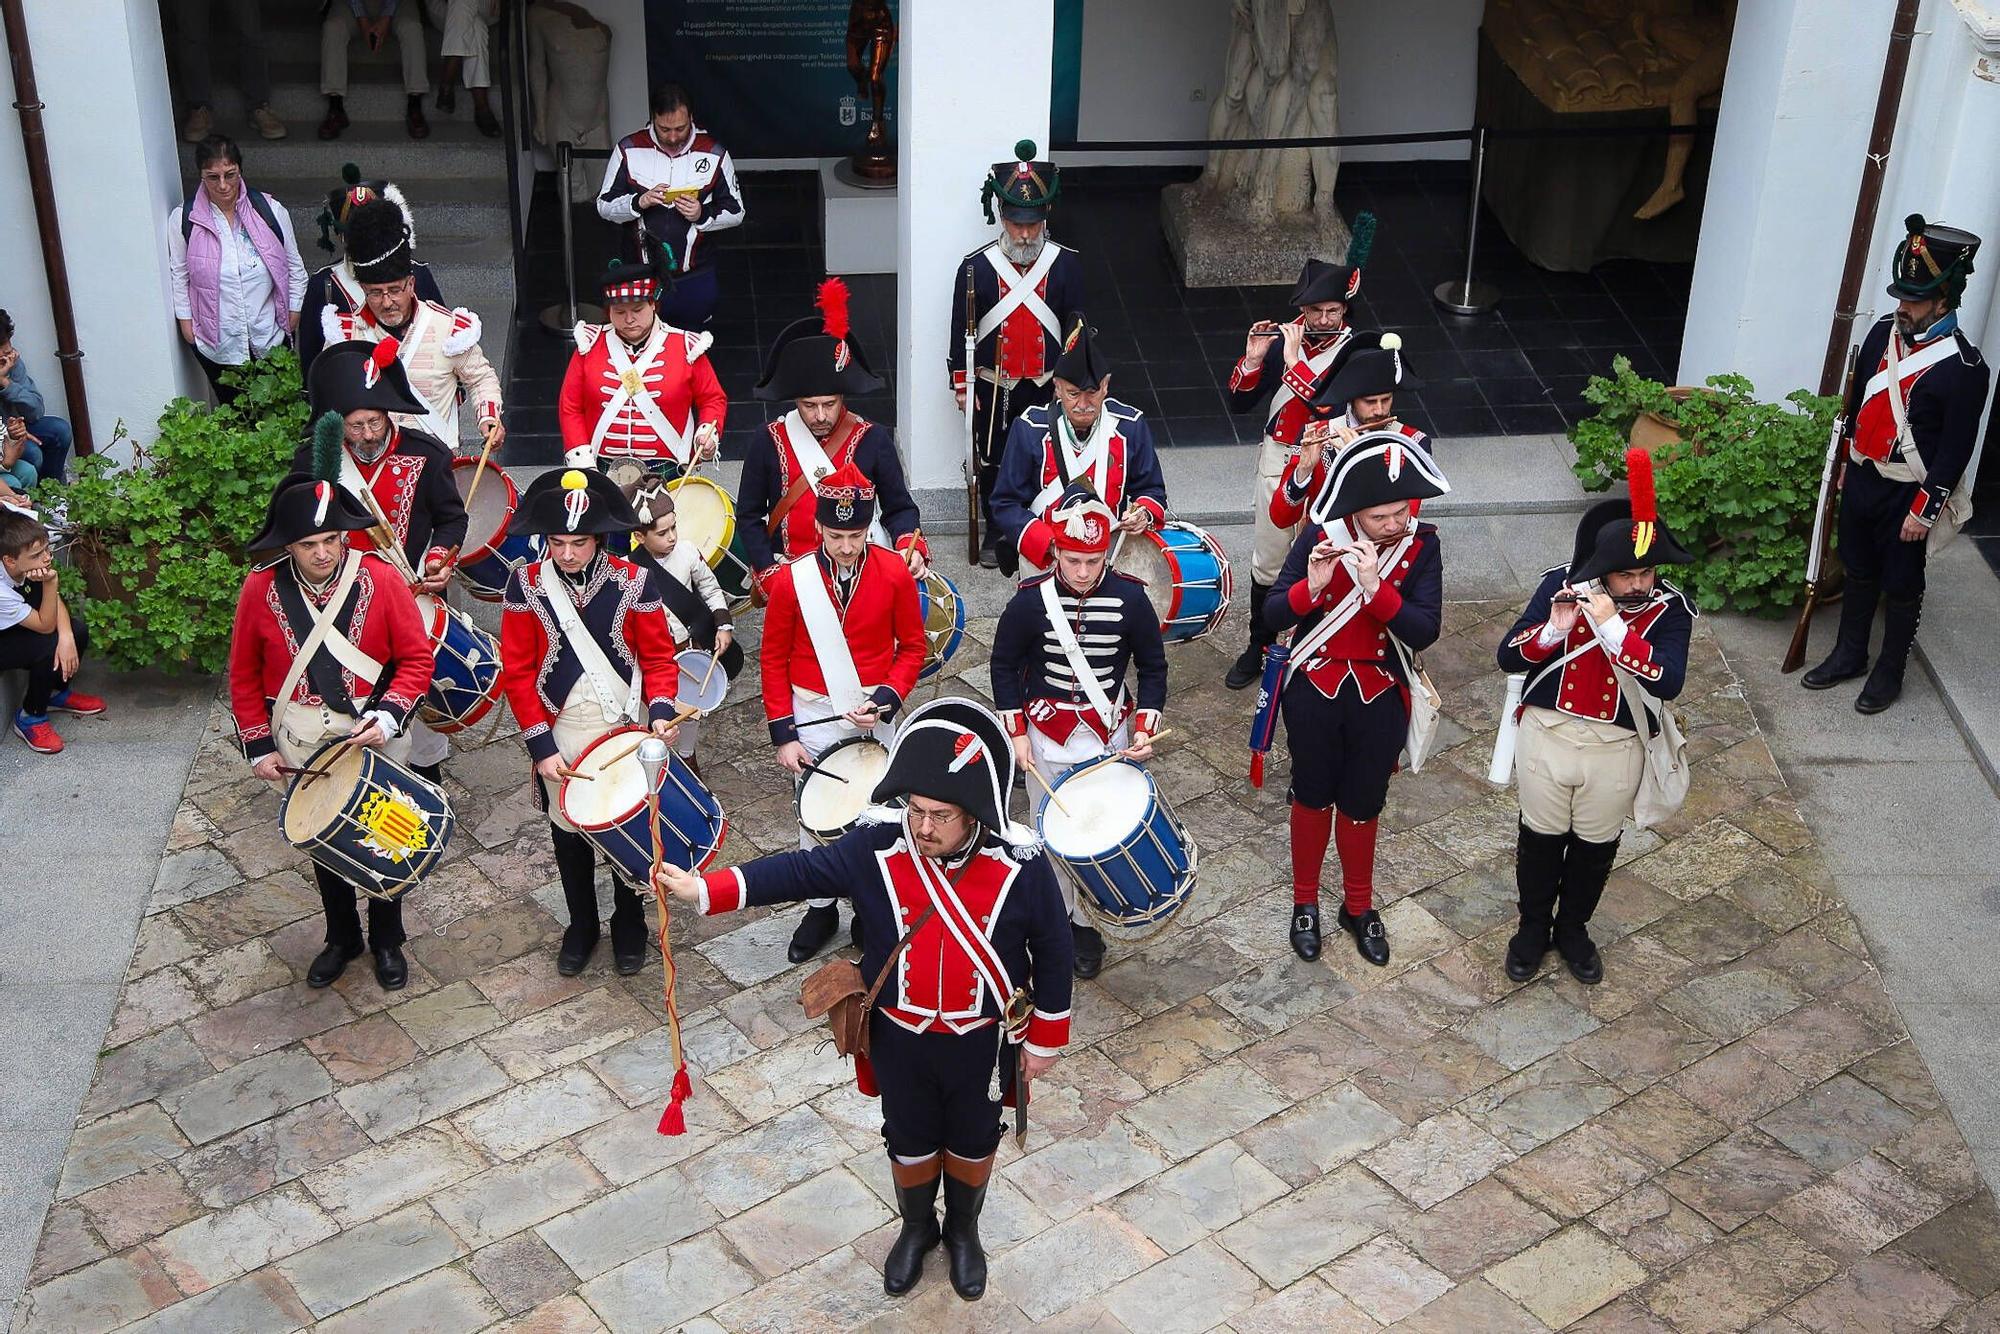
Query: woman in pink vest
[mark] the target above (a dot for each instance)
(238, 280)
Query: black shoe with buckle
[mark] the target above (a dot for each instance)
(815, 929)
(1371, 942)
(1089, 948)
(578, 943)
(392, 971)
(1305, 931)
(329, 964)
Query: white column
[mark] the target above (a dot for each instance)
(1797, 106)
(101, 69)
(973, 79)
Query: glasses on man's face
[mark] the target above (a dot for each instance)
(938, 820)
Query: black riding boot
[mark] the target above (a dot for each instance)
(1538, 879)
(1849, 658)
(916, 1200)
(964, 1197)
(1249, 664)
(1585, 870)
(1899, 632)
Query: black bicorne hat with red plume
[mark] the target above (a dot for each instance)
(1626, 534)
(817, 356)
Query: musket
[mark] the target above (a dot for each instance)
(971, 443)
(1823, 521)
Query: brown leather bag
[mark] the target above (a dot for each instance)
(835, 990)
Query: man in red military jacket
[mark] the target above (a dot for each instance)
(284, 708)
(1357, 396)
(1365, 586)
(843, 640)
(637, 387)
(584, 649)
(817, 364)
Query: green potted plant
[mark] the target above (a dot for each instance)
(1737, 485)
(159, 539)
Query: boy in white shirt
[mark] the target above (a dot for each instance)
(697, 608)
(37, 633)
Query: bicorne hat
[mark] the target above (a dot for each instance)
(1025, 189)
(1379, 468)
(304, 507)
(573, 502)
(1933, 260)
(1368, 363)
(1625, 534)
(956, 750)
(1321, 280)
(1081, 362)
(844, 500)
(817, 356)
(349, 376)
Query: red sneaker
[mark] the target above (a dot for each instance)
(41, 737)
(76, 702)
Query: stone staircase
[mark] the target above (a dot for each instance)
(455, 181)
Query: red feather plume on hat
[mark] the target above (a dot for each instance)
(832, 301)
(1645, 503)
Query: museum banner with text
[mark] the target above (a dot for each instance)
(769, 78)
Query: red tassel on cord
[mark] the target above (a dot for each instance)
(673, 1121)
(833, 308)
(1256, 768)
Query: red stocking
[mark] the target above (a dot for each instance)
(1355, 840)
(1310, 831)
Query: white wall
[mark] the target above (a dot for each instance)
(112, 150)
(1407, 65)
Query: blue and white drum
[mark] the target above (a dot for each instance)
(1109, 826)
(944, 621)
(374, 823)
(1186, 576)
(701, 682)
(606, 801)
(489, 554)
(466, 684)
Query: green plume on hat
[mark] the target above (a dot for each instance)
(326, 447)
(1360, 239)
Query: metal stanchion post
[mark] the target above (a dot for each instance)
(1462, 296)
(559, 320)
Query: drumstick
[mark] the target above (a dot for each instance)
(577, 774)
(712, 660)
(674, 721)
(1036, 774)
(1120, 754)
(810, 768)
(479, 471)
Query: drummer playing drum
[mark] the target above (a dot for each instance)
(584, 649)
(1085, 437)
(1059, 659)
(637, 387)
(843, 643)
(406, 470)
(697, 609)
(371, 667)
(817, 364)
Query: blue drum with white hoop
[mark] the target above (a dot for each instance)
(465, 684)
(1186, 576)
(490, 554)
(605, 798)
(1108, 825)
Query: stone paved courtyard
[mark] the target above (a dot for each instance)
(1732, 1132)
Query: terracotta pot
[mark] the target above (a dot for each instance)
(1652, 432)
(93, 561)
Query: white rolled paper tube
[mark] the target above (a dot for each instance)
(1502, 771)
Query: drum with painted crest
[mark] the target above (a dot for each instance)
(1186, 576)
(606, 802)
(840, 785)
(490, 554)
(708, 519)
(1108, 823)
(466, 683)
(944, 621)
(376, 824)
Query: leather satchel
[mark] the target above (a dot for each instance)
(835, 990)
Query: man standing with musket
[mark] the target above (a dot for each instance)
(584, 649)
(843, 644)
(1017, 284)
(1596, 633)
(1365, 587)
(1084, 438)
(1282, 367)
(393, 472)
(817, 364)
(371, 664)
(980, 1004)
(1059, 659)
(1914, 420)
(637, 387)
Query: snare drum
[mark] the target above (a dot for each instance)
(708, 519)
(369, 820)
(1109, 825)
(944, 621)
(702, 683)
(466, 683)
(609, 808)
(1186, 576)
(483, 568)
(840, 785)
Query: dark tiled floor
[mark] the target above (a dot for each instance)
(1520, 369)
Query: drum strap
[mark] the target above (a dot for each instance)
(326, 682)
(682, 601)
(1341, 612)
(944, 898)
(632, 389)
(1089, 459)
(829, 639)
(1086, 675)
(590, 654)
(813, 465)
